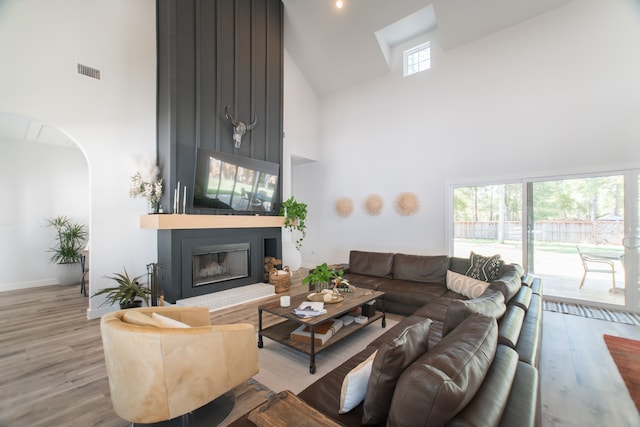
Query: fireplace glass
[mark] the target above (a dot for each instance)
(213, 264)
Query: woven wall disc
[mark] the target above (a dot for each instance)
(344, 206)
(373, 204)
(407, 204)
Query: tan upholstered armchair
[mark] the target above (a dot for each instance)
(158, 373)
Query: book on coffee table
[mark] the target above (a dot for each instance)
(322, 333)
(309, 309)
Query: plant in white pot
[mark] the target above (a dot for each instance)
(71, 239)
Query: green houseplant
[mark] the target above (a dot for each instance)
(125, 294)
(295, 215)
(71, 239)
(322, 276)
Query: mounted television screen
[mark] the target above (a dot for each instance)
(234, 183)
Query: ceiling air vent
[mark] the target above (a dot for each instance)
(85, 70)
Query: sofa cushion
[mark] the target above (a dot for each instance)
(411, 293)
(354, 385)
(484, 268)
(491, 303)
(510, 326)
(421, 268)
(437, 309)
(439, 384)
(466, 285)
(487, 406)
(523, 298)
(391, 360)
(364, 281)
(509, 284)
(459, 264)
(371, 263)
(522, 409)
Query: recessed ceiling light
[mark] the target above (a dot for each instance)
(339, 4)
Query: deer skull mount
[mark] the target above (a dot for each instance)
(239, 128)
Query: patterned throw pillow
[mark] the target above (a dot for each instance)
(466, 285)
(484, 268)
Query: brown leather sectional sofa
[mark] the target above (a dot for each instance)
(480, 367)
(452, 383)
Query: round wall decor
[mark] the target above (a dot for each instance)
(344, 207)
(373, 204)
(407, 204)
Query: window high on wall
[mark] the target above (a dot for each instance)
(417, 59)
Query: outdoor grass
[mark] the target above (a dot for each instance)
(550, 247)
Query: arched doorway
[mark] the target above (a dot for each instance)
(43, 174)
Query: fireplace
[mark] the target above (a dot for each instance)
(202, 261)
(219, 263)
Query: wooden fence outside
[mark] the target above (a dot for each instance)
(594, 232)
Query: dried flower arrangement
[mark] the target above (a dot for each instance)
(146, 183)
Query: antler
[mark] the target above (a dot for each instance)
(253, 123)
(229, 117)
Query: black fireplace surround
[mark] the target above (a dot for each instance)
(176, 249)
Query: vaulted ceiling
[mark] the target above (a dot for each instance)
(338, 48)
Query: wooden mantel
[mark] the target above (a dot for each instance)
(184, 222)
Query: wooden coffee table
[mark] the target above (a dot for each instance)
(280, 332)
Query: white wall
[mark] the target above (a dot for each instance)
(557, 94)
(112, 120)
(301, 120)
(37, 182)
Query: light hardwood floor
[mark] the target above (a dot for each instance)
(52, 368)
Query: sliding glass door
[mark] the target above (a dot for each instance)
(576, 228)
(488, 220)
(580, 234)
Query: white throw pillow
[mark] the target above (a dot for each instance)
(134, 317)
(354, 385)
(168, 322)
(465, 285)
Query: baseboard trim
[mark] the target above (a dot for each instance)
(25, 285)
(97, 313)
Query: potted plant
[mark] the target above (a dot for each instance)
(295, 215)
(71, 239)
(322, 276)
(126, 292)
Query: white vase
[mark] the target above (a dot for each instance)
(291, 256)
(68, 274)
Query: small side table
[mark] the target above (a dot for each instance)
(285, 409)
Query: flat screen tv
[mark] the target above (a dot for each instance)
(235, 184)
